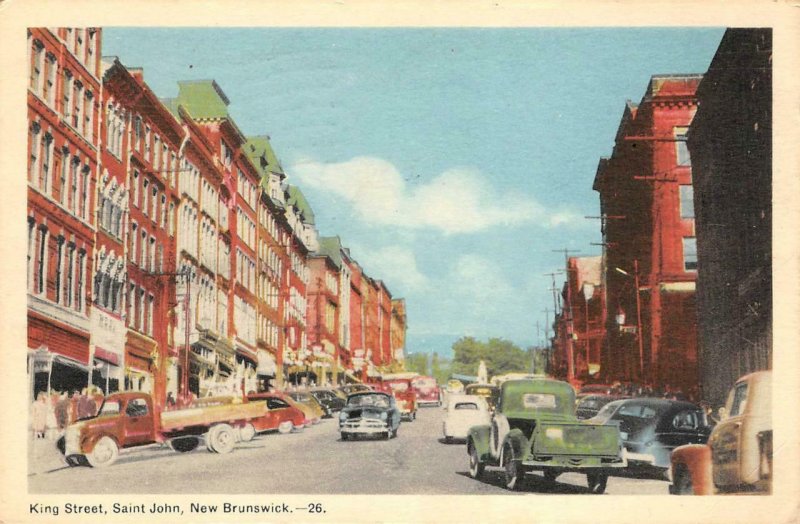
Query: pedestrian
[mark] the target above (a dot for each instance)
(62, 411)
(86, 405)
(39, 415)
(170, 400)
(52, 424)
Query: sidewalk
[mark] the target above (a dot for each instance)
(43, 456)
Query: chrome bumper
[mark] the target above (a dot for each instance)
(363, 425)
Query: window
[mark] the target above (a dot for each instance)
(682, 151)
(135, 187)
(84, 205)
(136, 408)
(47, 160)
(144, 205)
(51, 69)
(59, 267)
(687, 201)
(137, 132)
(77, 111)
(143, 250)
(73, 187)
(131, 304)
(64, 174)
(147, 143)
(150, 304)
(88, 117)
(36, 144)
(66, 101)
(154, 204)
(226, 154)
(31, 250)
(134, 236)
(690, 254)
(41, 262)
(81, 278)
(37, 58)
(738, 401)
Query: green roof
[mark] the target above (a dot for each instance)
(295, 197)
(203, 99)
(331, 247)
(261, 154)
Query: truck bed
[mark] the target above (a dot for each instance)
(575, 439)
(207, 415)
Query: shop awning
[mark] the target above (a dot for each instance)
(266, 364)
(108, 356)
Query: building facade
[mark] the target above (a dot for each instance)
(64, 119)
(731, 144)
(650, 249)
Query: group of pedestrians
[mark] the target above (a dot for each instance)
(52, 412)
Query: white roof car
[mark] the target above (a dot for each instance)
(463, 412)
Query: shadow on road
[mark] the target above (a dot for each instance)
(532, 483)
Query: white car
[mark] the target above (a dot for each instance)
(461, 413)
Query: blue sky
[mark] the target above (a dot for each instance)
(451, 161)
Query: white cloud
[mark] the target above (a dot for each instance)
(396, 265)
(456, 201)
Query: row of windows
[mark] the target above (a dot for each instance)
(245, 270)
(141, 305)
(248, 190)
(82, 42)
(110, 209)
(77, 105)
(109, 283)
(246, 228)
(152, 200)
(268, 331)
(244, 318)
(331, 282)
(144, 250)
(155, 150)
(56, 268)
(58, 174)
(267, 291)
(299, 267)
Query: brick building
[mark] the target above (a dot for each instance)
(398, 327)
(325, 267)
(731, 144)
(646, 200)
(63, 102)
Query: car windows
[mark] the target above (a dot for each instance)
(466, 405)
(276, 403)
(739, 400)
(399, 386)
(136, 408)
(686, 420)
(539, 400)
(636, 410)
(110, 408)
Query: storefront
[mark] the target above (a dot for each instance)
(50, 372)
(107, 347)
(266, 371)
(139, 352)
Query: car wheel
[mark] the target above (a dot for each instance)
(413, 415)
(448, 440)
(345, 436)
(513, 469)
(285, 427)
(682, 482)
(104, 454)
(597, 482)
(222, 438)
(387, 435)
(184, 445)
(247, 432)
(475, 464)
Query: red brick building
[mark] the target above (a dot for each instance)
(580, 327)
(63, 139)
(324, 337)
(140, 141)
(646, 198)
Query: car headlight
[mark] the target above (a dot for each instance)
(384, 416)
(342, 416)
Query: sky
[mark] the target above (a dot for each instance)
(452, 162)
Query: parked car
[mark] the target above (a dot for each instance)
(534, 428)
(312, 415)
(454, 386)
(369, 413)
(652, 427)
(280, 415)
(428, 391)
(329, 400)
(587, 406)
(349, 389)
(487, 391)
(463, 412)
(315, 410)
(128, 419)
(738, 455)
(405, 396)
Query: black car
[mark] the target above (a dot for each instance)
(590, 405)
(331, 402)
(369, 413)
(652, 427)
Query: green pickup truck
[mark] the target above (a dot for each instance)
(534, 428)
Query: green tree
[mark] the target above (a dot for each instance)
(501, 356)
(418, 363)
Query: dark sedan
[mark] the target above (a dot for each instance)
(332, 402)
(369, 413)
(652, 427)
(590, 405)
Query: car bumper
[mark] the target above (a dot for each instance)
(364, 426)
(576, 463)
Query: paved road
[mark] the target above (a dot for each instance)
(314, 461)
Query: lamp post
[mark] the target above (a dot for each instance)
(638, 313)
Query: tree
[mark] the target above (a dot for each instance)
(418, 363)
(501, 356)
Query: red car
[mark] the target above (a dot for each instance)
(280, 413)
(428, 392)
(405, 395)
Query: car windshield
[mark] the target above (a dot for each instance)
(424, 383)
(466, 405)
(381, 401)
(605, 414)
(109, 407)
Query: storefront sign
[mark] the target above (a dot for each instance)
(108, 333)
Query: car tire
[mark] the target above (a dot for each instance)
(597, 482)
(448, 440)
(513, 470)
(682, 482)
(184, 445)
(475, 465)
(247, 432)
(222, 439)
(104, 453)
(413, 415)
(345, 436)
(387, 435)
(285, 427)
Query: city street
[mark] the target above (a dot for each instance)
(314, 461)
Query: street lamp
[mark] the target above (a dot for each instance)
(620, 318)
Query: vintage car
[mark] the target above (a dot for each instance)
(738, 454)
(349, 389)
(454, 386)
(534, 428)
(280, 415)
(428, 392)
(369, 413)
(463, 412)
(328, 398)
(587, 406)
(652, 427)
(405, 396)
(306, 399)
(487, 391)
